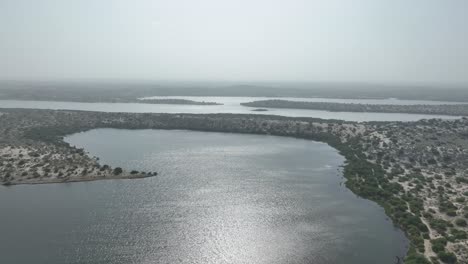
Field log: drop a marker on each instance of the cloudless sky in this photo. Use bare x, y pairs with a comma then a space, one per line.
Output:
401, 41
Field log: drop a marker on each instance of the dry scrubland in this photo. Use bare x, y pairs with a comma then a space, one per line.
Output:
417, 171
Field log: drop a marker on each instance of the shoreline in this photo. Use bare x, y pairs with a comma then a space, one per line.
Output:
88, 90
373, 168
83, 179
340, 182
442, 109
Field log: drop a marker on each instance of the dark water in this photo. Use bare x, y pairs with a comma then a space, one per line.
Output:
219, 198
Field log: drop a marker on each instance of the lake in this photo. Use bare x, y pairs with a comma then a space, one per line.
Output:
232, 105
218, 198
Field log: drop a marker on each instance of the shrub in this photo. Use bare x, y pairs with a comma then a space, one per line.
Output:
447, 257
461, 179
451, 212
415, 258
439, 225
438, 245
117, 171
458, 234
460, 222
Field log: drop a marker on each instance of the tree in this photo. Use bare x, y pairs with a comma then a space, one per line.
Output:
117, 171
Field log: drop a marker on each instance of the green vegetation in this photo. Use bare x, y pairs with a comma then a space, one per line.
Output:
368, 181
117, 171
440, 225
457, 234
438, 245
445, 206
455, 109
447, 257
461, 180
415, 258
378, 157
460, 222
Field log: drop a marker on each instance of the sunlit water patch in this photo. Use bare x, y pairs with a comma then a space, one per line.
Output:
218, 198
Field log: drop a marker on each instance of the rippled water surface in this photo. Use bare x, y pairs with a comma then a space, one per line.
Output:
219, 198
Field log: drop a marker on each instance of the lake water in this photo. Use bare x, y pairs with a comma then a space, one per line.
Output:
218, 198
232, 105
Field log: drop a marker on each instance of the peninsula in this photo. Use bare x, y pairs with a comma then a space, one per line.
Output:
175, 101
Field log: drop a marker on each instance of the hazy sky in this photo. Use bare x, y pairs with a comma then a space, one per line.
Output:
329, 40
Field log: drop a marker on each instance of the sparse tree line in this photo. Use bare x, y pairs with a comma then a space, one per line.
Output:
445, 109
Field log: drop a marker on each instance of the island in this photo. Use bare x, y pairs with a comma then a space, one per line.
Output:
443, 109
416, 171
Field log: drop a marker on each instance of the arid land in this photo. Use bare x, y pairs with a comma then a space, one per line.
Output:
417, 171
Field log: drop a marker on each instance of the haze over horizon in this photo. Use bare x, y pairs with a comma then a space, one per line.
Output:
366, 41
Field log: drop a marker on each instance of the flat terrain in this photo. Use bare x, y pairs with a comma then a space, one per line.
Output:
125, 92
416, 171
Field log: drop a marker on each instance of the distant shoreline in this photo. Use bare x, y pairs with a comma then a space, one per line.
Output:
175, 101
126, 92
444, 109
121, 101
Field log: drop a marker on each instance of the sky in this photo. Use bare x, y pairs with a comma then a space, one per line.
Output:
398, 41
